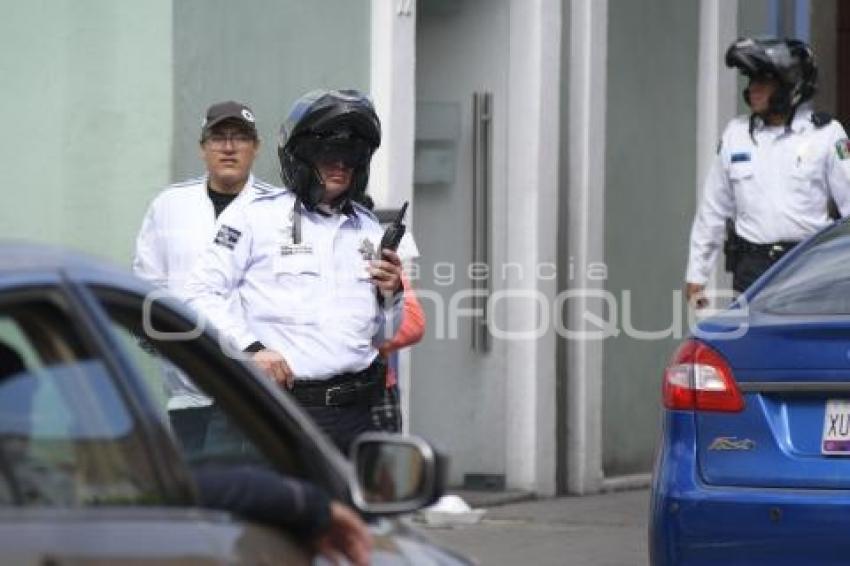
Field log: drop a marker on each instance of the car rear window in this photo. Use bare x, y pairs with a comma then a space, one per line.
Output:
815, 282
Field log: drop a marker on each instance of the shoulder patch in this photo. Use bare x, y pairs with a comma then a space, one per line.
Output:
227, 237
261, 189
842, 148
364, 211
188, 182
821, 119
264, 185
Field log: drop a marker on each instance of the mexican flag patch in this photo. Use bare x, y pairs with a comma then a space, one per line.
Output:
842, 148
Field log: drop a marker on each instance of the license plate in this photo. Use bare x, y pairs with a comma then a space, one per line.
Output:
836, 427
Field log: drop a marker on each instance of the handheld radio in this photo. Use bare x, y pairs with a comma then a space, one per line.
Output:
395, 231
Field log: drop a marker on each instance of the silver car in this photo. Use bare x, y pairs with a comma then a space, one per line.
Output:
91, 470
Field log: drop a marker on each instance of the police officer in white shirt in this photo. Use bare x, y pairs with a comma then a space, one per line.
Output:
176, 229
304, 262
777, 171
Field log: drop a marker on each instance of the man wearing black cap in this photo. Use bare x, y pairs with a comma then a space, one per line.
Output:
178, 226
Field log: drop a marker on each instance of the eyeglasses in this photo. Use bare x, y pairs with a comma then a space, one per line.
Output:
237, 139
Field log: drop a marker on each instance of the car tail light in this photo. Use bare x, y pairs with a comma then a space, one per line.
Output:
698, 378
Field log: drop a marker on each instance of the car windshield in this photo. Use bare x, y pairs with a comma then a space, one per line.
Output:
816, 282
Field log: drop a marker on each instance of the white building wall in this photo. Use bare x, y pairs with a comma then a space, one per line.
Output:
586, 217
393, 68
532, 223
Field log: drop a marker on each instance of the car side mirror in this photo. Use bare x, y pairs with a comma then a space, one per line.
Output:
395, 474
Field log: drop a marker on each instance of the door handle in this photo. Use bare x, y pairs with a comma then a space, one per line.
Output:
482, 134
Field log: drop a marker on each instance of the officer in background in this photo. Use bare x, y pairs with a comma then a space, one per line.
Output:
176, 229
317, 295
776, 170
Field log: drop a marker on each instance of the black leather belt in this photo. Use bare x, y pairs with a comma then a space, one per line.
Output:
357, 388
772, 251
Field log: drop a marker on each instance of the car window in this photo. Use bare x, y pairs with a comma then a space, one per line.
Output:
67, 438
205, 433
210, 428
257, 428
817, 281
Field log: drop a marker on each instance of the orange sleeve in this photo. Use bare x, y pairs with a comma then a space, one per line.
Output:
412, 325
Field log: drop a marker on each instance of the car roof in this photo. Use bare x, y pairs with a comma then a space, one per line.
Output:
20, 258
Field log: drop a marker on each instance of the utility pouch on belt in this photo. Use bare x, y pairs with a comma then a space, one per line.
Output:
731, 247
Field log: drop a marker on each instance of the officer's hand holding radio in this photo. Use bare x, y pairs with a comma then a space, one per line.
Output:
386, 272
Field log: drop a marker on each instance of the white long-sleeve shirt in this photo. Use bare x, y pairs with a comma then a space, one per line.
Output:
775, 190
177, 227
313, 302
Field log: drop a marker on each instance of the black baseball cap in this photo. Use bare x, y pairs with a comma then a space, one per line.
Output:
229, 110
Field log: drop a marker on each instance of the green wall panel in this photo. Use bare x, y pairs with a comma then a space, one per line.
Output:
264, 53
86, 107
650, 202
102, 100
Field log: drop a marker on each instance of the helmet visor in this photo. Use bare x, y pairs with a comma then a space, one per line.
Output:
349, 150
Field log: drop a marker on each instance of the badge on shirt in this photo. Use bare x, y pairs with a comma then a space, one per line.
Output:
741, 157
367, 249
296, 249
802, 153
286, 232
227, 237
842, 148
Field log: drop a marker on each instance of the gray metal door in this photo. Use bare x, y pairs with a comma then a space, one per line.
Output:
457, 393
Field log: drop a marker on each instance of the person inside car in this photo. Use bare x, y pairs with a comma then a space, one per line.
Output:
332, 528
252, 492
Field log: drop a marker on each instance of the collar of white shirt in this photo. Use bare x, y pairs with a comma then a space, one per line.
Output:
802, 120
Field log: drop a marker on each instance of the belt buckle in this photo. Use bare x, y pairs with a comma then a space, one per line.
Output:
329, 392
775, 250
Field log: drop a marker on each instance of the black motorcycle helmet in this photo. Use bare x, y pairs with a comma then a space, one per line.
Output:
323, 125
789, 61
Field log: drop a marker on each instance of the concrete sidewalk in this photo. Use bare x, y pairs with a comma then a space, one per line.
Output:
595, 530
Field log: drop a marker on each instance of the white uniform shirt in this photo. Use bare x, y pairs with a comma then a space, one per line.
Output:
313, 302
177, 227
775, 190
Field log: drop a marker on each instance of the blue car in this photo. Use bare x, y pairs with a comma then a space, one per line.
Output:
753, 465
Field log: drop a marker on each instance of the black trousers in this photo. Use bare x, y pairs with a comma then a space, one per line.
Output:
343, 423
750, 266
